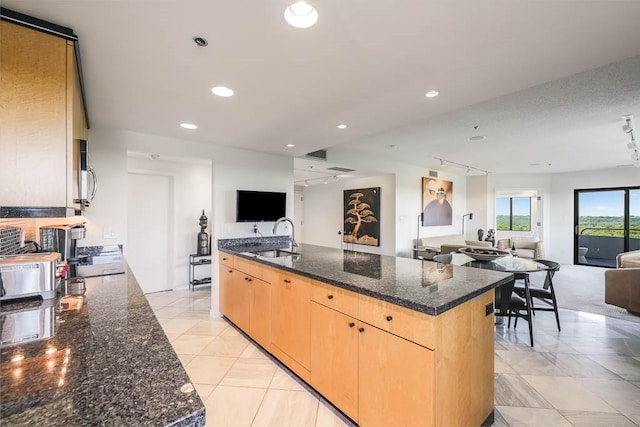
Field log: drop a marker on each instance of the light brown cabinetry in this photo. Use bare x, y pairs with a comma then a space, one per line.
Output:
246, 299
291, 320
42, 112
396, 380
235, 296
373, 376
379, 363
334, 359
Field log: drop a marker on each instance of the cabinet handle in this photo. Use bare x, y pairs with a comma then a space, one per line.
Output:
230, 271
224, 259
351, 325
249, 280
389, 318
287, 281
330, 296
361, 330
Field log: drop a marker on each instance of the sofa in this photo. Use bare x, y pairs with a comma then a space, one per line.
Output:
525, 246
446, 244
622, 285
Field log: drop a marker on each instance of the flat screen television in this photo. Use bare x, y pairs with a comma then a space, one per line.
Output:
257, 206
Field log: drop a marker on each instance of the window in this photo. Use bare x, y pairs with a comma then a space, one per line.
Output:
513, 213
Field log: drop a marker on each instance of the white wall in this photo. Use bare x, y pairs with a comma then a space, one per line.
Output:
477, 203
191, 194
324, 213
232, 169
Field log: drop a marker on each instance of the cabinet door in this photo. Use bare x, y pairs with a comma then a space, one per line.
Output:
33, 117
260, 312
291, 317
234, 297
334, 358
396, 380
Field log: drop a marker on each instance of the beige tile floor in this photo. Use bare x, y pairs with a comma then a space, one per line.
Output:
586, 375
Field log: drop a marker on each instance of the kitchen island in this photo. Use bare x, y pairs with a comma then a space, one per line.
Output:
387, 340
95, 355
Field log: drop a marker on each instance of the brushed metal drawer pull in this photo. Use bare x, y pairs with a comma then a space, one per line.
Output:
330, 296
389, 318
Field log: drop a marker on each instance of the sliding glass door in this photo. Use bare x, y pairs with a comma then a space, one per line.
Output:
634, 220
607, 222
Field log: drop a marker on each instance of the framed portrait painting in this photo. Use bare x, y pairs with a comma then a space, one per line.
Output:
437, 202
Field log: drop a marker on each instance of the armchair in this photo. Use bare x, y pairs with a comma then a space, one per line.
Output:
622, 285
526, 247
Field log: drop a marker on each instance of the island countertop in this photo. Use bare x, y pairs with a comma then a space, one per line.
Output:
101, 358
423, 286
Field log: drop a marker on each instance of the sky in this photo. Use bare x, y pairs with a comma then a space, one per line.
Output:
608, 203
521, 206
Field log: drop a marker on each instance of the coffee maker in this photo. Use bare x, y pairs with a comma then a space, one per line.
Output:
62, 239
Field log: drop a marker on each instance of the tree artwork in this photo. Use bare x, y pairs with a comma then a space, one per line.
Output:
361, 224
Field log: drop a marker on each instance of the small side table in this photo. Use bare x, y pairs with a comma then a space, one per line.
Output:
195, 261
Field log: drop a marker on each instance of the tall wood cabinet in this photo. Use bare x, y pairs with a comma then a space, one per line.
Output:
41, 114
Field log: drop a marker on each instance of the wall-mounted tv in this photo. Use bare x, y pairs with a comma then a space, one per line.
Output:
256, 206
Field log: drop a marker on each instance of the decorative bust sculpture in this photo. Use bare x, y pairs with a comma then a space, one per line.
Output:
480, 234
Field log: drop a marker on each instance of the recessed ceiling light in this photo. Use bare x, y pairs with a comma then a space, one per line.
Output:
188, 126
306, 183
291, 145
431, 94
200, 41
477, 138
222, 91
301, 15
342, 126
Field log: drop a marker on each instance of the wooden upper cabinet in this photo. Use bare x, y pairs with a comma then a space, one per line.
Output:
41, 111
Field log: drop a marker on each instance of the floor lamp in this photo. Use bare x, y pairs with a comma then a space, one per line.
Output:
470, 215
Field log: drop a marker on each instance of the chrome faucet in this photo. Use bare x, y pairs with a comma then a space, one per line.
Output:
283, 219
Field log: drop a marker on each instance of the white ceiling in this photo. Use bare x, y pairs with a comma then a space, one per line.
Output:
368, 64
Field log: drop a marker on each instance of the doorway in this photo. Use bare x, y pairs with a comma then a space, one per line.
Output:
149, 230
607, 222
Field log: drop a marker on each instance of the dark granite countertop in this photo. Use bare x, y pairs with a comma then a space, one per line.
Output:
95, 356
424, 286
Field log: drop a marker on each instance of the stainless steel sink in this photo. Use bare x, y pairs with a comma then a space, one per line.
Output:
276, 253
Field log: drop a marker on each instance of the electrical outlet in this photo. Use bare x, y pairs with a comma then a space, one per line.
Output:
109, 233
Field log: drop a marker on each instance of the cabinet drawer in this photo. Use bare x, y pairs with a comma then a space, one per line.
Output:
336, 298
226, 259
253, 268
400, 321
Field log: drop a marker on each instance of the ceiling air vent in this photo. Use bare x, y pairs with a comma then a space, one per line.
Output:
320, 154
339, 169
433, 174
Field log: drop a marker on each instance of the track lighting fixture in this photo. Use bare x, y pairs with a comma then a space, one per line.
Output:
466, 167
629, 129
324, 179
